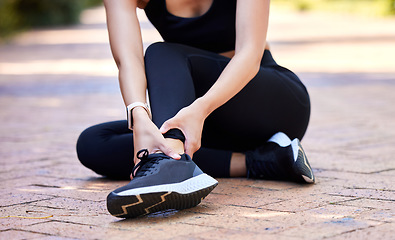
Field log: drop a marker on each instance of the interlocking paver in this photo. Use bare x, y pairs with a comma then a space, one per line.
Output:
19, 235
366, 193
51, 80
9, 198
231, 235
239, 223
329, 228
129, 231
386, 215
305, 203
383, 231
370, 203
80, 194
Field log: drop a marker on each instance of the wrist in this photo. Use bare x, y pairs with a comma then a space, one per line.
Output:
203, 107
136, 110
140, 114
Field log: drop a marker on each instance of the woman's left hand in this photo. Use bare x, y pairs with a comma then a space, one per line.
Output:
190, 121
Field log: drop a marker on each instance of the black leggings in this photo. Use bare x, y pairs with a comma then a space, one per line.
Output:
274, 100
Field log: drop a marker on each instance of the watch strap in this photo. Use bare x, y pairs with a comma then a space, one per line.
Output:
130, 108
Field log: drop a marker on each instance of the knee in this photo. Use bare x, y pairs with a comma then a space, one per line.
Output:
85, 147
91, 148
102, 147
156, 48
161, 50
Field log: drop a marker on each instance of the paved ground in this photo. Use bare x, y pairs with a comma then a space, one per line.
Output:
54, 83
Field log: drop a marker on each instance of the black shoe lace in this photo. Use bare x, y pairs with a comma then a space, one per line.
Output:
145, 158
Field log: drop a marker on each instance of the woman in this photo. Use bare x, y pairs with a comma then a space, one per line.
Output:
215, 93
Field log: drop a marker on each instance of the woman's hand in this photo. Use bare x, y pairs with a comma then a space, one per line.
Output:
190, 121
147, 136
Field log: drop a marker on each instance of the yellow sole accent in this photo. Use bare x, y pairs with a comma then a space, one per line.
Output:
124, 207
163, 200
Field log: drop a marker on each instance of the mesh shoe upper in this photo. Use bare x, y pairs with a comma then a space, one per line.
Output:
270, 161
159, 169
274, 162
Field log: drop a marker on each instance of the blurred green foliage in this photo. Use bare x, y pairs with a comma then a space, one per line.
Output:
16, 15
363, 7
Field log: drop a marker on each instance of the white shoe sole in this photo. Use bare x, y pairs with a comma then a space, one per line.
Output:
188, 186
141, 201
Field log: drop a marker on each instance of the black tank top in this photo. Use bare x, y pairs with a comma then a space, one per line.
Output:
214, 30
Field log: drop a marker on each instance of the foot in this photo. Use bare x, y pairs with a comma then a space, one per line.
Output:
280, 159
160, 183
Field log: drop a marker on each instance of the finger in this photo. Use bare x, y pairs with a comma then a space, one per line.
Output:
155, 150
165, 127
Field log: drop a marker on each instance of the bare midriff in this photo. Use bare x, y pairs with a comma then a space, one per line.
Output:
228, 54
172, 4
231, 53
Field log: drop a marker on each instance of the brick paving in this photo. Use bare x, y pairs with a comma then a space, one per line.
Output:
55, 83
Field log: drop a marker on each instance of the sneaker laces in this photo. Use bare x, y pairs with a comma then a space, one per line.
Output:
145, 158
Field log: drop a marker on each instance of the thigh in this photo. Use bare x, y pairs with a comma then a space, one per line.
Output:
176, 76
274, 100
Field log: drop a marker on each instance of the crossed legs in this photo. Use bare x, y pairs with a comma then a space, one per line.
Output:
275, 100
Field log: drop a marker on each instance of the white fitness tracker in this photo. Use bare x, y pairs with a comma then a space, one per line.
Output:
129, 110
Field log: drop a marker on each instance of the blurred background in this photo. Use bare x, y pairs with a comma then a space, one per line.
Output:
365, 7
55, 60
58, 77
17, 15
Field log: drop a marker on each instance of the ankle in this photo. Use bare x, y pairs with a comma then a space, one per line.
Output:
238, 167
176, 144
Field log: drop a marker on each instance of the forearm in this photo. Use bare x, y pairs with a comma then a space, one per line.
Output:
240, 70
132, 83
252, 18
127, 48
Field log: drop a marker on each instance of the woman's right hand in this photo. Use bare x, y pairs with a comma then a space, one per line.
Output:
146, 135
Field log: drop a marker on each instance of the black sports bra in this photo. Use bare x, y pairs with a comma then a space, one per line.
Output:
214, 30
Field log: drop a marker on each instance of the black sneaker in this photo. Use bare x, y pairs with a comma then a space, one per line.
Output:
160, 183
280, 159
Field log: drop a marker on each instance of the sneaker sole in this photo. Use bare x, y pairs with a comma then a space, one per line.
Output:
141, 201
302, 166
